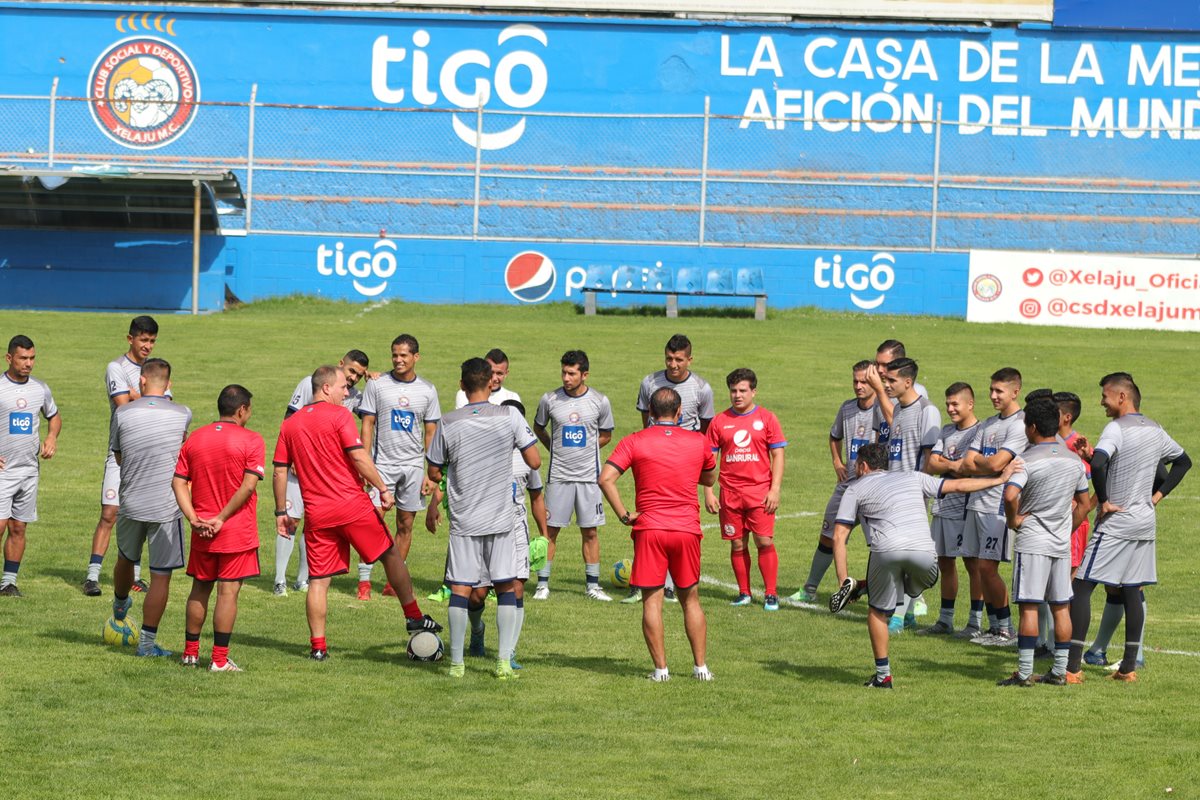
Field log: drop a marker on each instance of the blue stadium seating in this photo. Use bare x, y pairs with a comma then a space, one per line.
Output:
689, 280
750, 281
719, 281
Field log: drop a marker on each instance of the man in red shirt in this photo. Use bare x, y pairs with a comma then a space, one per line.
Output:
218, 470
751, 444
667, 462
321, 444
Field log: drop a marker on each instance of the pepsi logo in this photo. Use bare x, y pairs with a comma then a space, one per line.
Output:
742, 438
530, 277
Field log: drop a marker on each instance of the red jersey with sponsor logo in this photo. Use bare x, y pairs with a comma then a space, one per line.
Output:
215, 459
745, 442
666, 461
316, 442
1072, 443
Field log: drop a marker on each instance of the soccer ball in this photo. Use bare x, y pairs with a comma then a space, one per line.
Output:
119, 633
425, 646
621, 572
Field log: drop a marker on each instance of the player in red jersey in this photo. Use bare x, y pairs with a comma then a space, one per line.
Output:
667, 462
321, 444
750, 442
216, 476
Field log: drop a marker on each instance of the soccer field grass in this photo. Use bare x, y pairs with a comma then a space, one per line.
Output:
787, 715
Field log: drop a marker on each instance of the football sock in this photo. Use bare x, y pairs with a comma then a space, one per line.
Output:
283, 553
1114, 612
821, 560
670, 584
1004, 618
412, 610
147, 637
1043, 636
191, 644
1061, 651
520, 622
93, 570
302, 575
120, 607
1025, 645
946, 617
768, 565
220, 651
883, 668
740, 559
137, 571
317, 643
458, 627
902, 609
1135, 621
475, 615
364, 571
993, 623
506, 624
976, 618
1081, 617
10, 572
592, 573
1142, 644
544, 573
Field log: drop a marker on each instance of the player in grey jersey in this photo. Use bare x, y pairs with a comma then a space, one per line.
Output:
1043, 503
890, 506
887, 352
1121, 552
354, 364
24, 400
121, 386
857, 422
399, 413
145, 436
574, 422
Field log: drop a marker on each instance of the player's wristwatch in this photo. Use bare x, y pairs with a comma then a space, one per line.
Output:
281, 513
625, 518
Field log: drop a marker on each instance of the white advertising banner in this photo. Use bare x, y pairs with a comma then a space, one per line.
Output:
1084, 291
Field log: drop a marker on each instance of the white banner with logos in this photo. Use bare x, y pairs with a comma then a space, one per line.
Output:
1084, 291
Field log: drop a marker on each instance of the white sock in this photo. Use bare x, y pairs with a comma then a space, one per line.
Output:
137, 572
283, 554
93, 571
364, 571
302, 576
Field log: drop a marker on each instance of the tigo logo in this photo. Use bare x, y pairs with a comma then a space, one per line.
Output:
378, 263
20, 423
530, 277
861, 279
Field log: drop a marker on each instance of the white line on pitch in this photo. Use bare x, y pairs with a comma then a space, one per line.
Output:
709, 526
711, 581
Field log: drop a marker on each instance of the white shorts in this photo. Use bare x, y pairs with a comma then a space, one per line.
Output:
405, 483
1119, 562
109, 490
892, 574
481, 560
584, 499
18, 497
985, 536
1041, 579
295, 504
948, 536
165, 540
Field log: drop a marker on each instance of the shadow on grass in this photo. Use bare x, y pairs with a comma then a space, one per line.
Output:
613, 666
89, 637
288, 647
988, 665
818, 672
74, 578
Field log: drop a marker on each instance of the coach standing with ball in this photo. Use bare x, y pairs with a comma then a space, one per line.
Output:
667, 462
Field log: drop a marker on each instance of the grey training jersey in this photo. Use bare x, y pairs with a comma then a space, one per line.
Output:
952, 445
915, 426
497, 398
474, 445
855, 426
997, 433
148, 433
121, 377
891, 508
401, 411
1053, 476
303, 396
23, 405
574, 424
695, 396
1135, 444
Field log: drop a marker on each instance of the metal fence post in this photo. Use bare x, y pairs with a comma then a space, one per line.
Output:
250, 158
704, 170
53, 118
478, 166
937, 168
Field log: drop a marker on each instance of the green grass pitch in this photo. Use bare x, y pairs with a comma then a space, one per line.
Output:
787, 715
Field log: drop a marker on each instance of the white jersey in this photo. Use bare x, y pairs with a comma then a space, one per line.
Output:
1134, 444
24, 404
695, 396
303, 396
401, 409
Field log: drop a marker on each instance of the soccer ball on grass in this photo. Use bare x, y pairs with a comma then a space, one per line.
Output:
119, 633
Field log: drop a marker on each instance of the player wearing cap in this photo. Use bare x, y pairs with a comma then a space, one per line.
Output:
1121, 554
751, 445
23, 401
859, 421
949, 513
399, 413
145, 437
667, 465
121, 384
890, 505
215, 484
354, 364
473, 449
580, 424
320, 443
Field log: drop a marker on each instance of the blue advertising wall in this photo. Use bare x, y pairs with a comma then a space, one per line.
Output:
868, 192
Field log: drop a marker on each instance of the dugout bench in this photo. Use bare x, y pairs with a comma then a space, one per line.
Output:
746, 282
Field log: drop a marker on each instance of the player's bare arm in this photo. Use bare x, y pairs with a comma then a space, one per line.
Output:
1080, 509
608, 487
884, 402
839, 466
604, 438
711, 504
938, 464
183, 496
240, 497
771, 502
285, 526
841, 534
542, 434
366, 470
537, 506
368, 430
533, 459
433, 514
1012, 515
427, 486
50, 443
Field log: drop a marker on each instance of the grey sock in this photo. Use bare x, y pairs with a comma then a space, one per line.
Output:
458, 628
1025, 662
283, 553
1114, 612
821, 562
1061, 651
475, 614
506, 624
544, 572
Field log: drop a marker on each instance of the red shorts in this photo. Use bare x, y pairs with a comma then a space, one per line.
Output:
1079, 538
209, 567
655, 552
329, 548
736, 522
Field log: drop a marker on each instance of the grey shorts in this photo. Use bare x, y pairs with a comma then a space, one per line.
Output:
948, 536
164, 540
1041, 579
831, 509
892, 574
295, 504
584, 499
405, 483
481, 560
18, 497
110, 489
985, 536
1119, 562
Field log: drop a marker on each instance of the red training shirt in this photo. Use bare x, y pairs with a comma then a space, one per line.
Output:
316, 442
215, 459
745, 442
666, 461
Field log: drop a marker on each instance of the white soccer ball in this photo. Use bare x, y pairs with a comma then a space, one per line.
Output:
425, 646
